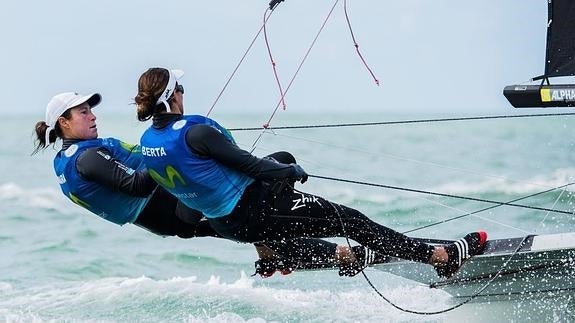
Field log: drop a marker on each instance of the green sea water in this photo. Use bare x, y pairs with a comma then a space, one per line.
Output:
60, 263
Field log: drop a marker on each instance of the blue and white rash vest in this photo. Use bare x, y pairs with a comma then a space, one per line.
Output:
200, 182
116, 207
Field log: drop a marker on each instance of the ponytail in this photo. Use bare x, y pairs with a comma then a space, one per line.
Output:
150, 86
44, 136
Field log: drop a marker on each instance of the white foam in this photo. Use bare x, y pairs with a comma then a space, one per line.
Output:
43, 198
216, 301
5, 286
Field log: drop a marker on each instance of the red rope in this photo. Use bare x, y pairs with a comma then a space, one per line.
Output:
355, 43
238, 65
273, 62
267, 124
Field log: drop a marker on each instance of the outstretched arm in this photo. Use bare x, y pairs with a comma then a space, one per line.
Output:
206, 141
98, 165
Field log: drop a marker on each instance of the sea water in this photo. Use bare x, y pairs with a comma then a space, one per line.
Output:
59, 263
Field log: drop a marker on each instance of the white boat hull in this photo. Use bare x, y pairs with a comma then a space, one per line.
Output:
543, 266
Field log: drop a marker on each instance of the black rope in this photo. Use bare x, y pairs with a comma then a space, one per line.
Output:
339, 125
485, 209
440, 194
476, 294
406, 310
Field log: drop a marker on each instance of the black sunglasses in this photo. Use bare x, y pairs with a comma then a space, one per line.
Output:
179, 88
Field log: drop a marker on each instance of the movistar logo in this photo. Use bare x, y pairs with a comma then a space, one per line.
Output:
229, 133
76, 200
130, 147
168, 181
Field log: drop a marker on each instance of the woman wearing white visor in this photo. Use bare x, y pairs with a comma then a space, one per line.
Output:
198, 161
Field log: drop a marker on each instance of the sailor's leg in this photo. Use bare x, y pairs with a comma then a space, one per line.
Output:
453, 255
303, 253
305, 250
307, 253
164, 215
446, 259
381, 238
295, 214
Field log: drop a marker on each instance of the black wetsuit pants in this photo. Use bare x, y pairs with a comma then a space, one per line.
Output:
264, 215
164, 215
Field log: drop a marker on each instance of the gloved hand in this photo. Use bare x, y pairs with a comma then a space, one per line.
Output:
267, 267
299, 174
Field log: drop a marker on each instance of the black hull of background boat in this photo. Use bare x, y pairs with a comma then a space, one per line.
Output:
540, 96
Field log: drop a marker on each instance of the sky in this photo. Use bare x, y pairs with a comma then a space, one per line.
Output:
431, 56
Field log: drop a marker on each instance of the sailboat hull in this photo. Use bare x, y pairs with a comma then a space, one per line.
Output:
543, 265
537, 96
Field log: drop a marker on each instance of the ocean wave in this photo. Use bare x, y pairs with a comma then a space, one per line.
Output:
535, 184
5, 286
186, 258
42, 198
186, 299
351, 195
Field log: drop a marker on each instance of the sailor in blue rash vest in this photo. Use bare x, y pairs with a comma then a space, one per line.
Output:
107, 177
198, 161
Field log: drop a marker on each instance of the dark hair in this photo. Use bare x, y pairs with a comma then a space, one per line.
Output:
55, 133
150, 86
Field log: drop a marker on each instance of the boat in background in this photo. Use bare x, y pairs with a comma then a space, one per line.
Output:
559, 61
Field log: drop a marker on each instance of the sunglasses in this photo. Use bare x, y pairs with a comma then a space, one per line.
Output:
179, 88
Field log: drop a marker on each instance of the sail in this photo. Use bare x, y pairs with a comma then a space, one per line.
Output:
560, 56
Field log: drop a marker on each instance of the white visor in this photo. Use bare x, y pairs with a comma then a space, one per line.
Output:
175, 75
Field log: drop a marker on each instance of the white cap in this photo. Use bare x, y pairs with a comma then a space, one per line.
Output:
175, 75
64, 101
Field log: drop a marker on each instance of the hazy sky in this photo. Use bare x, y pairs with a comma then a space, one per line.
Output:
430, 55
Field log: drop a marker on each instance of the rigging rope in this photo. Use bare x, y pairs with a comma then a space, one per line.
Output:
356, 45
273, 62
380, 123
399, 157
451, 308
266, 125
472, 297
242, 59
476, 294
554, 203
272, 6
439, 194
487, 208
